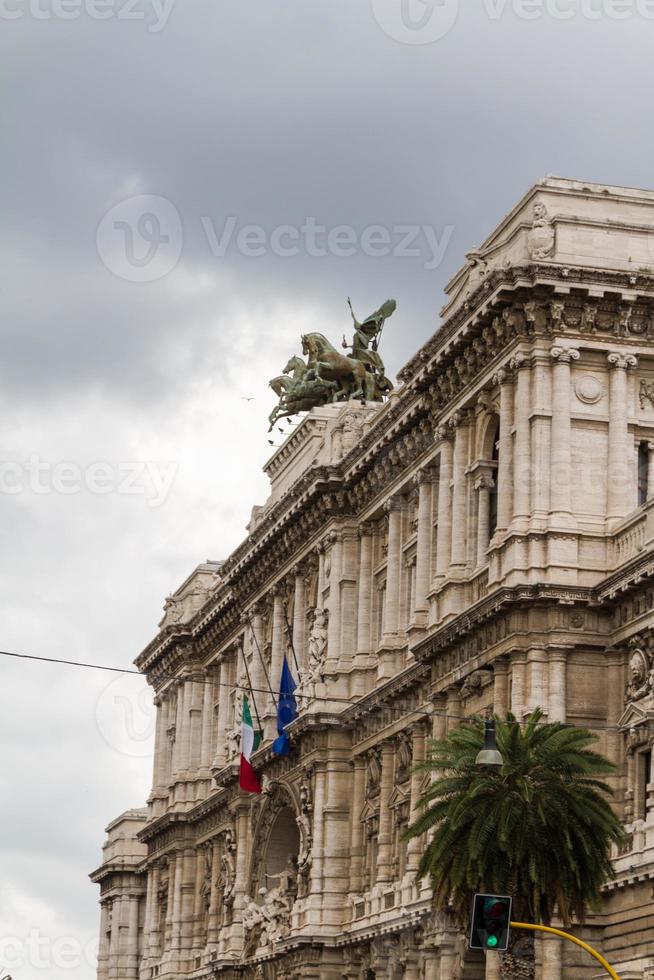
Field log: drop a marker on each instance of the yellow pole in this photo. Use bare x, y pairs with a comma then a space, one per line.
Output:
573, 939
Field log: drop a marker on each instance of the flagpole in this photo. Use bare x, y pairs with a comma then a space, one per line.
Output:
256, 643
290, 641
254, 702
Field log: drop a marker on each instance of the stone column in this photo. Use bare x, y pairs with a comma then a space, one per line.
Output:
177, 721
103, 947
541, 436
556, 708
483, 486
364, 608
552, 957
356, 830
334, 621
257, 672
620, 463
196, 699
278, 649
300, 617
241, 816
454, 713
208, 747
159, 746
224, 723
213, 924
384, 855
504, 379
444, 542
154, 939
423, 546
395, 507
414, 847
538, 680
459, 492
198, 898
187, 899
522, 448
561, 452
316, 887
176, 918
501, 687
132, 960
518, 683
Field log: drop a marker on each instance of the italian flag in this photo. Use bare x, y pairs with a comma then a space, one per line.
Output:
247, 777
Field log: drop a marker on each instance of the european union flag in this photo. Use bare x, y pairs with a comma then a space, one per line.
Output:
286, 710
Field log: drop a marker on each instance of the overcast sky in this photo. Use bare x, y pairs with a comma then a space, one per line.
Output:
139, 310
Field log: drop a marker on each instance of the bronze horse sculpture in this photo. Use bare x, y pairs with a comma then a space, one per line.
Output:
328, 364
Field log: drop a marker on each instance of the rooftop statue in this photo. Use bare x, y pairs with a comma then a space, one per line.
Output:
329, 376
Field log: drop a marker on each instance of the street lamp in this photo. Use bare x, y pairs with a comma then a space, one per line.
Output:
490, 754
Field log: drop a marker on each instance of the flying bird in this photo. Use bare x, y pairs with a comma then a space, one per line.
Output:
244, 398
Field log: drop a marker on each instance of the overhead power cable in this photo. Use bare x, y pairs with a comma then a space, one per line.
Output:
260, 690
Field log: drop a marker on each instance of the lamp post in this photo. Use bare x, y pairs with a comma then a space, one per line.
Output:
490, 755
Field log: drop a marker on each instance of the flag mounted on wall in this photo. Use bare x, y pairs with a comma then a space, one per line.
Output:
286, 710
250, 740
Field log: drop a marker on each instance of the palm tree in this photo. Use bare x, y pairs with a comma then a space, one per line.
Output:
539, 828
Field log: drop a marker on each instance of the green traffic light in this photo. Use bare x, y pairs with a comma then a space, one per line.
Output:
492, 941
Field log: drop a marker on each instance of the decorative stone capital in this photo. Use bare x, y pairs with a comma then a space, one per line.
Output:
424, 475
564, 355
484, 482
444, 432
395, 504
622, 362
519, 361
503, 377
366, 530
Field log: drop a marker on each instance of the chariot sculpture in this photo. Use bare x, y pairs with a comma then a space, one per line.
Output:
328, 375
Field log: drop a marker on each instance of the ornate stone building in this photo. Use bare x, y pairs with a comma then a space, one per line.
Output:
483, 540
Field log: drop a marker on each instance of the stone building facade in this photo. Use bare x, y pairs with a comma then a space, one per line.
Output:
483, 540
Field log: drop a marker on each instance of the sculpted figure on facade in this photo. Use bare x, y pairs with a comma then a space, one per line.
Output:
641, 676
541, 238
317, 651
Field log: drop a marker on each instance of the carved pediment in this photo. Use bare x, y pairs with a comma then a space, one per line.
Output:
636, 715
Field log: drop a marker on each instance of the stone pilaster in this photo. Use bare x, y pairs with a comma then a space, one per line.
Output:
364, 598
423, 546
103, 947
414, 847
444, 540
501, 687
384, 856
154, 937
460, 493
483, 486
299, 616
650, 470
395, 509
356, 825
276, 658
557, 665
522, 447
541, 432
561, 446
207, 749
518, 683
335, 622
620, 451
213, 924
504, 379
538, 679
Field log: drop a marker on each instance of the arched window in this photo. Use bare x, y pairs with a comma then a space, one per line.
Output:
643, 473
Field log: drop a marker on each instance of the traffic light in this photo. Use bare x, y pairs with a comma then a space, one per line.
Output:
489, 928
